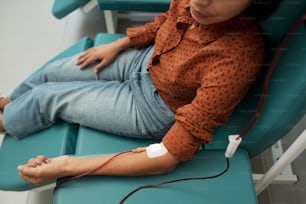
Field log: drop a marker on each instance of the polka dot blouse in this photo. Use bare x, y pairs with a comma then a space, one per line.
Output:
202, 72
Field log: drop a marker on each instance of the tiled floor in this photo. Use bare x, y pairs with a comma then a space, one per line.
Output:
281, 193
30, 36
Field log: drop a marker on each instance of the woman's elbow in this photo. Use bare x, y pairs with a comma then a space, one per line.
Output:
169, 168
168, 163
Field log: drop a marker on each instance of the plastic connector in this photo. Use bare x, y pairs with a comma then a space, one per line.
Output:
234, 141
139, 150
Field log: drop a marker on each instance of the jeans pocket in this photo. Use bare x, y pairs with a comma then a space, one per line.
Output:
162, 105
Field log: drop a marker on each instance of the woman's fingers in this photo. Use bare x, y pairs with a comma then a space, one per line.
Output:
33, 163
100, 66
105, 54
29, 178
34, 177
87, 62
87, 59
83, 57
88, 51
100, 55
50, 169
37, 161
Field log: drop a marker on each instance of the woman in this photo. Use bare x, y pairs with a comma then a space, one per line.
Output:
190, 68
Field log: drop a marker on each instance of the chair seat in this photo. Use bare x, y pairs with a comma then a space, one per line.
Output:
58, 140
104, 38
108, 189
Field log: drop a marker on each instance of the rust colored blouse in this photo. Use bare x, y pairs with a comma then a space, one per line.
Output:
202, 72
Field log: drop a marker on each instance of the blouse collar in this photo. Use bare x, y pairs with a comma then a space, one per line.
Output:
216, 30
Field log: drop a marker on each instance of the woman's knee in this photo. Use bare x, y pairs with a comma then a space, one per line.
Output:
58, 70
52, 71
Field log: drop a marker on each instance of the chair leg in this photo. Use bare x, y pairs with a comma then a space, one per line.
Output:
89, 6
110, 21
295, 149
110, 16
42, 194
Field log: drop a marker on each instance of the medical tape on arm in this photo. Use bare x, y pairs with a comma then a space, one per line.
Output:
156, 150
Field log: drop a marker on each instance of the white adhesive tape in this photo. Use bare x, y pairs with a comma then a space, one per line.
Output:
156, 150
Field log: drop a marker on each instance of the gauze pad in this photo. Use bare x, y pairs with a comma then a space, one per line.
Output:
156, 150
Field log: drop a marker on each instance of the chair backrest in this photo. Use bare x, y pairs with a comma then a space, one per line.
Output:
286, 101
279, 23
134, 5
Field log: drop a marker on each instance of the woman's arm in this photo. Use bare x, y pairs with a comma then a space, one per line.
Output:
41, 169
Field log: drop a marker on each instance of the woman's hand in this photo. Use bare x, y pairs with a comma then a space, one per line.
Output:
41, 169
104, 53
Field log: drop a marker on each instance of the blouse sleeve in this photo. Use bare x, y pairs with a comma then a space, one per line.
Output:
221, 89
143, 36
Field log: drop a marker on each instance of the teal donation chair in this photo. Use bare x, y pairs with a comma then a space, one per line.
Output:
284, 107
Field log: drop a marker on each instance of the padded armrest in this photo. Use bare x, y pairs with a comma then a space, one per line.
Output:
55, 141
134, 5
61, 8
108, 189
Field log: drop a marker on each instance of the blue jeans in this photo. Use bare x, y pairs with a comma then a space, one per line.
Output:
121, 99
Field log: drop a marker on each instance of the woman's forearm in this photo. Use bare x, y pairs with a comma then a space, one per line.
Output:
127, 164
42, 169
123, 43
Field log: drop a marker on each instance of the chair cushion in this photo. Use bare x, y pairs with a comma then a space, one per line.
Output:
279, 23
104, 38
109, 189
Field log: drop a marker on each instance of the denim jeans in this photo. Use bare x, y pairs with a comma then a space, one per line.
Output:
121, 99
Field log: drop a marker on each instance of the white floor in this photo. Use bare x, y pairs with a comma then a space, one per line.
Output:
29, 37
